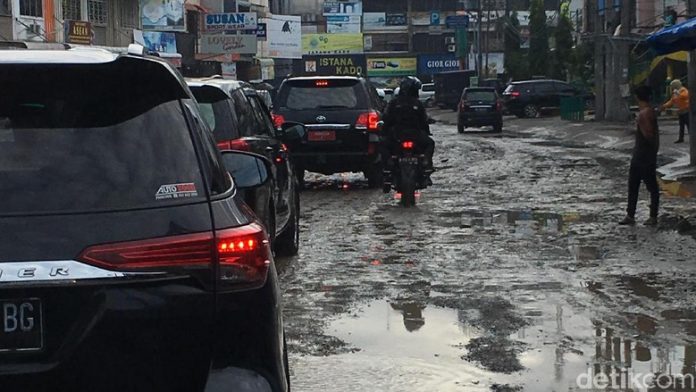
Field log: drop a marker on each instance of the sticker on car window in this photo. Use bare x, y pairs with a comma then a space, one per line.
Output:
176, 191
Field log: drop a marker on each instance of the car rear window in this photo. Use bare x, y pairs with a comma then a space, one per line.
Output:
216, 110
94, 137
322, 94
428, 87
480, 95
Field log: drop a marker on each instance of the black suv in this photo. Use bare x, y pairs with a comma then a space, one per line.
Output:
127, 262
241, 121
531, 98
478, 107
342, 116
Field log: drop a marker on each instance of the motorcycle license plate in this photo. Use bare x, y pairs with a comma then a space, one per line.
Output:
21, 328
321, 136
413, 160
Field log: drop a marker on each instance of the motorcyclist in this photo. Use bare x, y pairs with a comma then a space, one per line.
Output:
406, 113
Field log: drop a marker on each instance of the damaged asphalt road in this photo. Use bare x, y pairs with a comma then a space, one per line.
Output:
510, 275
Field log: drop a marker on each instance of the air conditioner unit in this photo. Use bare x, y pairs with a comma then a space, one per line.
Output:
451, 48
449, 40
35, 29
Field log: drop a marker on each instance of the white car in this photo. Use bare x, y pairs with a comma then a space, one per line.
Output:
427, 94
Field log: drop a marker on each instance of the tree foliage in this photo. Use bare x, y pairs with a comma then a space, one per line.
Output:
563, 54
538, 39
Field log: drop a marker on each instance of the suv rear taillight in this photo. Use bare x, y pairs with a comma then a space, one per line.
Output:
368, 120
499, 106
514, 94
237, 145
463, 105
278, 120
243, 255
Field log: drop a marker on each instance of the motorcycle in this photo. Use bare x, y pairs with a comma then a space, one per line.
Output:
408, 174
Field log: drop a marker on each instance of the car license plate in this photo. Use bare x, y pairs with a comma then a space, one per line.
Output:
21, 328
481, 109
321, 136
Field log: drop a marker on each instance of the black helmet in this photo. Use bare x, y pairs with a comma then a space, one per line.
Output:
409, 87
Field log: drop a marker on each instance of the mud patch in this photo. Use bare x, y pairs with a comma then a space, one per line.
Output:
495, 353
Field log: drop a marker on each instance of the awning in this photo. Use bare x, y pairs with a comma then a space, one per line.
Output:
674, 39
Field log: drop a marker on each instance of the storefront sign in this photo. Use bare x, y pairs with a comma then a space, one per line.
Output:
332, 43
392, 66
373, 21
221, 43
78, 32
156, 41
343, 8
348, 65
430, 64
342, 24
261, 32
284, 37
231, 21
163, 15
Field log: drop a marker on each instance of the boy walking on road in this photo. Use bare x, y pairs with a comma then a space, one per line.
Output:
644, 159
680, 99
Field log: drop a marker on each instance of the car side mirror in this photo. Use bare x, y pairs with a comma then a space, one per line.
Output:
291, 131
248, 170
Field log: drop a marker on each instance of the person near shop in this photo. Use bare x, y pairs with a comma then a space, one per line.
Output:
680, 100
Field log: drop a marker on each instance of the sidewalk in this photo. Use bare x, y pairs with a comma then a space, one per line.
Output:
673, 158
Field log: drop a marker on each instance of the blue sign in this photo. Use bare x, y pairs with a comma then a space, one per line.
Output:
261, 31
435, 18
430, 64
459, 21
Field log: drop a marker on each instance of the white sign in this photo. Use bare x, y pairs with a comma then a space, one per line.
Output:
343, 8
342, 24
221, 43
229, 70
231, 21
284, 37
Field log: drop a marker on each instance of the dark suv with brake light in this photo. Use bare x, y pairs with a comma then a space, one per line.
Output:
480, 106
342, 116
127, 262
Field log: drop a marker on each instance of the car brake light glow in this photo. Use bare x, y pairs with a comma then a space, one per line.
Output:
368, 120
278, 120
237, 144
407, 145
243, 254
321, 83
515, 93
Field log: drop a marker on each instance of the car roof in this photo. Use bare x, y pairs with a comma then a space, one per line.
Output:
225, 85
480, 89
537, 81
70, 56
325, 77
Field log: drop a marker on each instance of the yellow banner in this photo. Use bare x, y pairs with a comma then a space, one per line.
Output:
392, 66
317, 44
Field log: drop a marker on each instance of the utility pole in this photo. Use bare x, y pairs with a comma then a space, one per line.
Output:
600, 69
692, 88
488, 29
479, 62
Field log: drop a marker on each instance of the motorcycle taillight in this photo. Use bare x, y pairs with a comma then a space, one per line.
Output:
407, 145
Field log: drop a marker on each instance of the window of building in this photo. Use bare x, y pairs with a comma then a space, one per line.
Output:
98, 12
128, 13
5, 7
435, 5
385, 6
31, 8
72, 10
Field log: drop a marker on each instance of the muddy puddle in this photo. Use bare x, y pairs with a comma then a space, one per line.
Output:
398, 346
